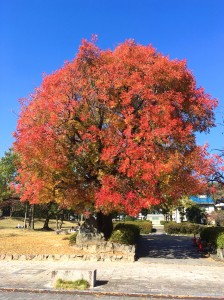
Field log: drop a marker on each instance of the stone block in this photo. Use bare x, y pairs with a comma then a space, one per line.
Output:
64, 257
8, 257
57, 257
22, 257
220, 253
92, 248
75, 274
51, 257
88, 237
29, 256
79, 255
109, 247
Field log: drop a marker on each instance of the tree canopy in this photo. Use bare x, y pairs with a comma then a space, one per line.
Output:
114, 130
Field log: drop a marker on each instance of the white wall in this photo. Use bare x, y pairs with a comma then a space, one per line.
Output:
155, 218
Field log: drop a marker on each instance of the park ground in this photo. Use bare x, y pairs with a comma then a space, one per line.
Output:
185, 277
19, 241
167, 266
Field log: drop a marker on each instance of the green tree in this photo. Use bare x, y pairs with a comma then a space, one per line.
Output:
195, 214
8, 172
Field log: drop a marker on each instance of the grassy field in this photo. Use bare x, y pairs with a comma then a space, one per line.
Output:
23, 241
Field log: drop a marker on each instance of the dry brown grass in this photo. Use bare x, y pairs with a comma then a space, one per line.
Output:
24, 241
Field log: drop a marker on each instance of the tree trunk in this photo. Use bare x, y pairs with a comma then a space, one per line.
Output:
57, 221
11, 211
81, 218
31, 217
47, 219
104, 224
61, 219
46, 223
25, 216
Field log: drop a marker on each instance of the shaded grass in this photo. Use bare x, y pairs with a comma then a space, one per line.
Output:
11, 223
79, 284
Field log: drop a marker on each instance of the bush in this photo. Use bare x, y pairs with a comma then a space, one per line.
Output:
124, 233
182, 228
190, 228
144, 226
172, 227
211, 234
220, 240
72, 238
163, 222
129, 218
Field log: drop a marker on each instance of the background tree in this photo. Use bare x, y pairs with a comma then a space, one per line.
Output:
218, 217
114, 131
8, 172
195, 214
9, 200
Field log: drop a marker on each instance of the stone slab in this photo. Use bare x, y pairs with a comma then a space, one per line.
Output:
75, 274
220, 253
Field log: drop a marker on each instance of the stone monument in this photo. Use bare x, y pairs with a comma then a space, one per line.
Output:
88, 232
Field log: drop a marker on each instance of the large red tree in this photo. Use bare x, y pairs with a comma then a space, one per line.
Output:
114, 130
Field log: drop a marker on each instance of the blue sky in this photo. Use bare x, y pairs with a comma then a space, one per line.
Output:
38, 36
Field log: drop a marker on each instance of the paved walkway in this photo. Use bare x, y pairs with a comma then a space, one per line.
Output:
47, 296
168, 265
168, 247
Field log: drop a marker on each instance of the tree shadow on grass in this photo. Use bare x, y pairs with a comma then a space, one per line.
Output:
167, 246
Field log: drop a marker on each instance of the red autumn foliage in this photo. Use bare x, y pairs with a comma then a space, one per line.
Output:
114, 130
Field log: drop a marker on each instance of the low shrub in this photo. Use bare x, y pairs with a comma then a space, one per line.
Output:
72, 238
129, 218
163, 222
124, 233
190, 228
220, 240
182, 228
211, 234
144, 225
172, 227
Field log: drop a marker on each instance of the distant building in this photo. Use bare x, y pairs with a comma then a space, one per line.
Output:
155, 218
203, 201
219, 204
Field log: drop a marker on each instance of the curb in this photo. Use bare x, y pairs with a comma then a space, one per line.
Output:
115, 294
